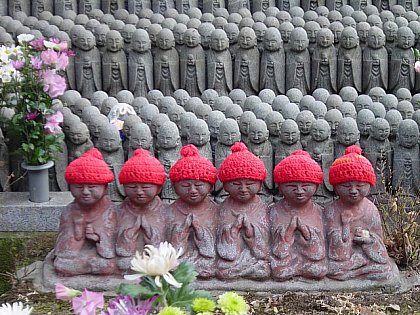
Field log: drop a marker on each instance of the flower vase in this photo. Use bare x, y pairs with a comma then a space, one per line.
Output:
38, 181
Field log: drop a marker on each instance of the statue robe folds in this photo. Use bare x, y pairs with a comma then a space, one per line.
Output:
375, 68
183, 6
262, 5
311, 5
298, 71
114, 72
247, 70
135, 6
86, 6
39, 6
295, 254
324, 69
193, 70
60, 6
137, 228
140, 73
349, 259
74, 253
195, 232
285, 5
166, 71
88, 72
401, 69
349, 68
219, 71
272, 71
209, 6
243, 248
110, 6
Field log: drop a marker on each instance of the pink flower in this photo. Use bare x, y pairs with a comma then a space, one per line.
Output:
69, 52
49, 56
417, 66
64, 293
53, 122
36, 63
87, 303
54, 84
32, 115
62, 61
18, 64
38, 44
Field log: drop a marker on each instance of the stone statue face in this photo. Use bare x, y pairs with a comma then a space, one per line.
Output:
114, 41
192, 38
86, 41
274, 128
390, 30
298, 40
242, 190
408, 135
168, 138
87, 194
232, 34
109, 141
247, 38
165, 40
179, 36
363, 34
219, 41
348, 135
405, 38
289, 134
141, 194
272, 40
141, 42
199, 135
376, 38
192, 192
364, 123
229, 134
324, 38
352, 193
100, 36
140, 140
304, 123
349, 39
380, 130
320, 131
78, 134
258, 132
298, 193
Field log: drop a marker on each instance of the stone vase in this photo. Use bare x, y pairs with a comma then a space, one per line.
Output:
38, 183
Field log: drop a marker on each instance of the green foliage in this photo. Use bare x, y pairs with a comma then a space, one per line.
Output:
9, 249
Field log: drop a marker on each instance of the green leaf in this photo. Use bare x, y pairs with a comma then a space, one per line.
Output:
136, 290
185, 273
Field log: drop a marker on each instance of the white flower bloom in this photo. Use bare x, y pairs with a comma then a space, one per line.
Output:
16, 308
51, 45
25, 38
156, 262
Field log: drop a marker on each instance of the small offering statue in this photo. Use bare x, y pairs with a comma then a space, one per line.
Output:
242, 239
353, 225
297, 231
141, 218
86, 242
192, 217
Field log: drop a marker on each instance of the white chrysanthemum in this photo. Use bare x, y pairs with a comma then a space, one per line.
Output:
25, 38
16, 308
156, 262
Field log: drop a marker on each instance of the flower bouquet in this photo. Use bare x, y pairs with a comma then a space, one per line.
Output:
162, 287
31, 75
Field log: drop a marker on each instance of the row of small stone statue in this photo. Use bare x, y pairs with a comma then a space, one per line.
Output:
240, 238
191, 67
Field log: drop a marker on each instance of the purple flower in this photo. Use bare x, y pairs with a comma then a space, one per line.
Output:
87, 303
36, 63
54, 84
64, 293
32, 115
38, 44
49, 57
62, 61
125, 305
53, 122
18, 64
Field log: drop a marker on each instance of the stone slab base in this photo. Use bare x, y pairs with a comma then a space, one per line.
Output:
47, 278
18, 214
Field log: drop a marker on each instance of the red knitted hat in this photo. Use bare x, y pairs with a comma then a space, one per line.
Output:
298, 167
142, 168
352, 166
90, 168
242, 164
192, 165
